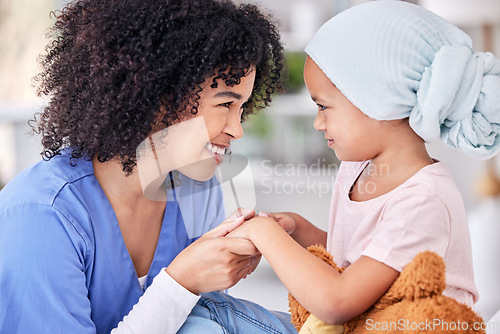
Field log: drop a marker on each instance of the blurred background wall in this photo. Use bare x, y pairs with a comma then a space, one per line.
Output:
292, 169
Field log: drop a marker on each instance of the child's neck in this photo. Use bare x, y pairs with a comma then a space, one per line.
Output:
389, 170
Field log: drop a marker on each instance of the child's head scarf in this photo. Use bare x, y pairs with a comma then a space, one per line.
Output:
394, 60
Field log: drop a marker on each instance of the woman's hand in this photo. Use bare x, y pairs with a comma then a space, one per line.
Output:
241, 212
214, 262
253, 265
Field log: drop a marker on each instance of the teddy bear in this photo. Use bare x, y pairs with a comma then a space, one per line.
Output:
413, 304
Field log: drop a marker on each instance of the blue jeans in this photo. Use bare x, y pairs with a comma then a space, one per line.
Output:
218, 312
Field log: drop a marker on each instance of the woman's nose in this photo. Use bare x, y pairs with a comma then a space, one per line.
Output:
234, 127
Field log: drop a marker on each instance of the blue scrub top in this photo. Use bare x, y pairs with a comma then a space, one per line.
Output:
64, 266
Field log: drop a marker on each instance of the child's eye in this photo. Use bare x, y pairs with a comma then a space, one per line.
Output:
321, 107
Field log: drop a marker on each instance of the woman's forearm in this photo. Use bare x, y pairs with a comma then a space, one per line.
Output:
162, 309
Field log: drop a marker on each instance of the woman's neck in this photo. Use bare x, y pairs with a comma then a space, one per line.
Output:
139, 218
122, 190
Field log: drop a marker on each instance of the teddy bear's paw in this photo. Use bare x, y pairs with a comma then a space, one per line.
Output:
298, 312
313, 325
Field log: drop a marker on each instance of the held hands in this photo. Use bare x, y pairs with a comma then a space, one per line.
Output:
224, 255
214, 262
286, 220
242, 214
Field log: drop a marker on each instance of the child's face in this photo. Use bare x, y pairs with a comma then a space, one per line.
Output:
350, 133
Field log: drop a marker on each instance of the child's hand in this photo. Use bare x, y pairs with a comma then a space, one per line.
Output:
242, 230
285, 219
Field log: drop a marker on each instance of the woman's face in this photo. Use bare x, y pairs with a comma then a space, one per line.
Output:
197, 144
221, 109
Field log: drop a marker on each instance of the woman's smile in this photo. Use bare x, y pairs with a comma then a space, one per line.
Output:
218, 151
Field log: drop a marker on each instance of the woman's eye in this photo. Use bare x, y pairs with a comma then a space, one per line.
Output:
225, 104
321, 107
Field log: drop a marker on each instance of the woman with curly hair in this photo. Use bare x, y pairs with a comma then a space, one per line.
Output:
82, 249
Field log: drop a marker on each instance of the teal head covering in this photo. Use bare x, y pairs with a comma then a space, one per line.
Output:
395, 60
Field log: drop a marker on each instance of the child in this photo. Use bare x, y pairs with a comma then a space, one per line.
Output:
387, 77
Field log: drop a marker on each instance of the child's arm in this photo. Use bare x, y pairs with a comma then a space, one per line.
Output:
299, 228
334, 298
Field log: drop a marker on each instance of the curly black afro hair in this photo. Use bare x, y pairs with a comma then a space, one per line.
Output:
112, 65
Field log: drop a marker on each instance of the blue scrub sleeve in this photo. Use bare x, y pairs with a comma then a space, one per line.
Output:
44, 254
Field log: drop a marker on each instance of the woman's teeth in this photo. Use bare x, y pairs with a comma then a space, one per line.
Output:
216, 149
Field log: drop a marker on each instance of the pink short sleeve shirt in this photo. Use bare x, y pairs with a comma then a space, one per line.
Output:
424, 213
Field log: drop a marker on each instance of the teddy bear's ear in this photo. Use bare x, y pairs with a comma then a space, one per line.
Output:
423, 277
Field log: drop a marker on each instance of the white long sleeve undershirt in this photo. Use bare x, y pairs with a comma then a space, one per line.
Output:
162, 309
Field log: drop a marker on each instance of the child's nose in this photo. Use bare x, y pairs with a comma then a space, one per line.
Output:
319, 124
